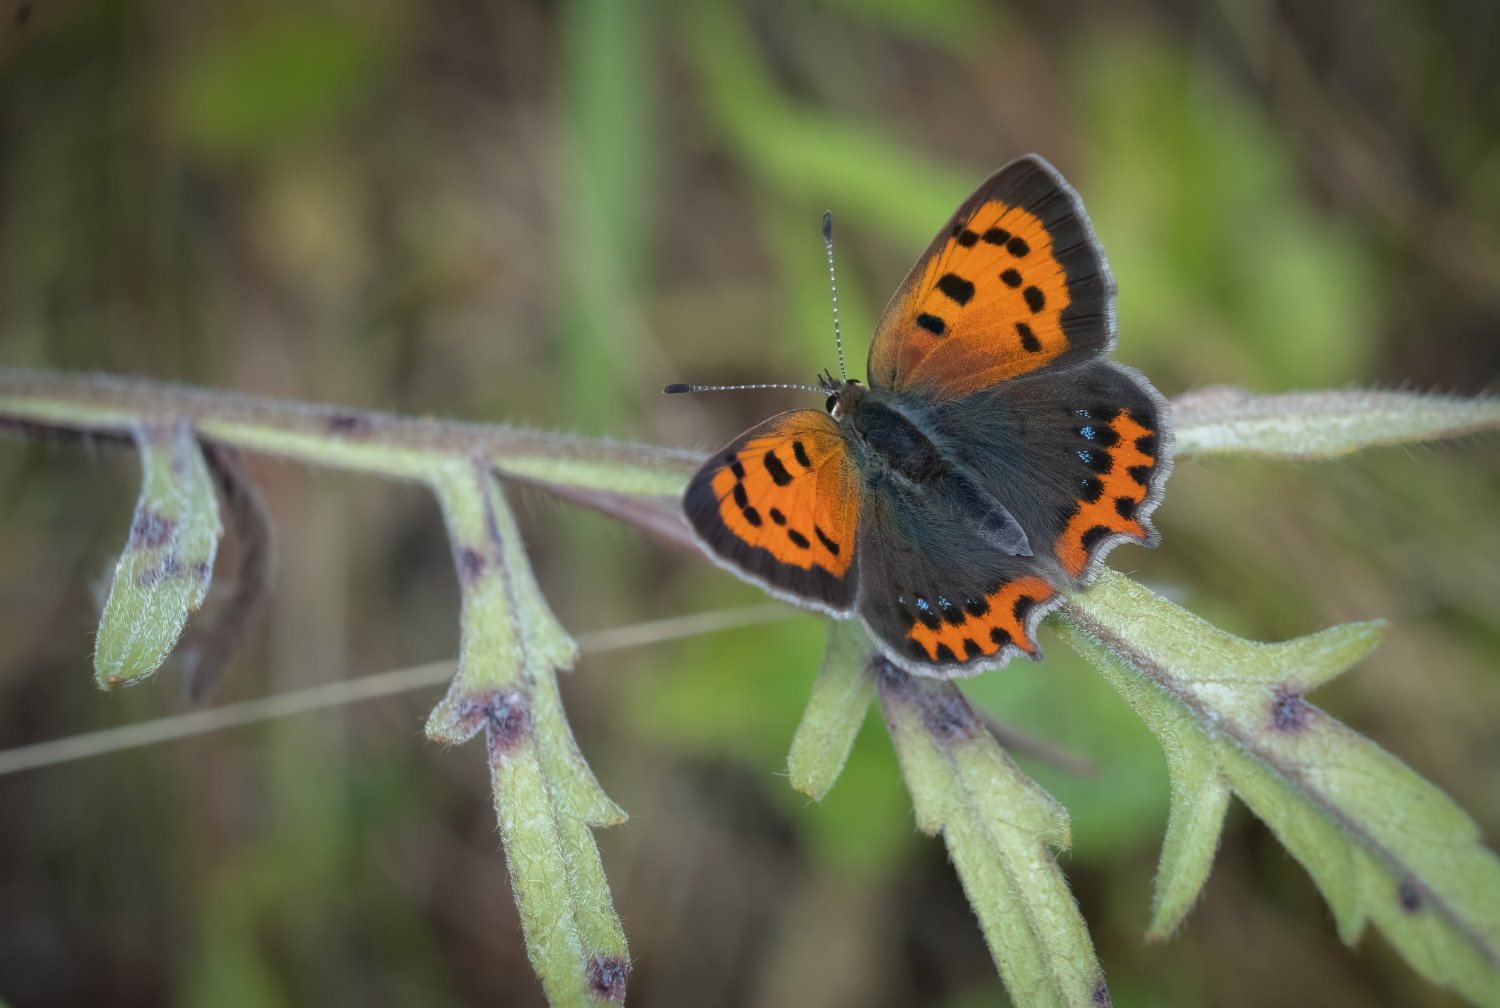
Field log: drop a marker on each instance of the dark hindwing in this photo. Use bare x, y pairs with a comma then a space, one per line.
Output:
780, 506
937, 598
1080, 458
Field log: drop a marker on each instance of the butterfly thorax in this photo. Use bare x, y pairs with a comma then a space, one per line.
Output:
883, 438
887, 439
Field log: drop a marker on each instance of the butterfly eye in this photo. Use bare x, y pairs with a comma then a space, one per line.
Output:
833, 404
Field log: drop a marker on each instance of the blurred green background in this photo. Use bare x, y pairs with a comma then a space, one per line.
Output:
543, 212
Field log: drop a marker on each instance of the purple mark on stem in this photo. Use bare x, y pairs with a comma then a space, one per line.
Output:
348, 423
1290, 712
507, 723
945, 713
606, 976
1410, 895
470, 564
151, 530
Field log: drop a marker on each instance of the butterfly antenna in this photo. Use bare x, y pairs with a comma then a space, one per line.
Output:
838, 338
679, 387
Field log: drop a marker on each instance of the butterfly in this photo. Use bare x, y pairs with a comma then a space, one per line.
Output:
993, 460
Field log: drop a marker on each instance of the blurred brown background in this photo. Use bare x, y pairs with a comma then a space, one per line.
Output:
543, 212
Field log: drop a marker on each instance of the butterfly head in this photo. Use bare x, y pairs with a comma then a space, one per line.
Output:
843, 394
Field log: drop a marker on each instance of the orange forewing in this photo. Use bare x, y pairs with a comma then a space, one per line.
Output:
782, 504
1015, 282
998, 300
778, 499
1113, 511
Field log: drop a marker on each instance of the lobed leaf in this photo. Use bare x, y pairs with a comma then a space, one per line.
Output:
1312, 425
1380, 842
546, 798
164, 572
999, 826
841, 695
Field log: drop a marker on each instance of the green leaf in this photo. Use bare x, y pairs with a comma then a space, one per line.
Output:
999, 826
546, 798
1381, 843
168, 561
840, 697
1312, 425
508, 634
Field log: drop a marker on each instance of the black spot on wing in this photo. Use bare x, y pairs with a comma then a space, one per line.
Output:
956, 288
705, 508
1096, 459
778, 472
932, 323
1104, 437
1093, 536
799, 450
950, 612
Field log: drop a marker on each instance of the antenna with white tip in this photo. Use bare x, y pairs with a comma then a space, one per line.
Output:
838, 338
678, 387
826, 384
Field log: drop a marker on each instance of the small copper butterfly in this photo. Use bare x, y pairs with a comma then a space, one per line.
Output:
994, 459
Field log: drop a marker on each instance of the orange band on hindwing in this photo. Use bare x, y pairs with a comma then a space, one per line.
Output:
946, 630
1122, 453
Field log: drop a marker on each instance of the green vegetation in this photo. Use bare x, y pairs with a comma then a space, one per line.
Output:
539, 215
